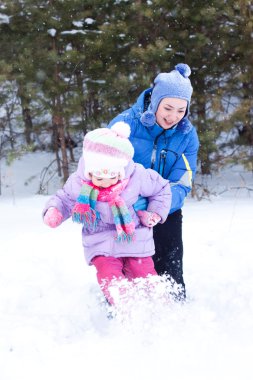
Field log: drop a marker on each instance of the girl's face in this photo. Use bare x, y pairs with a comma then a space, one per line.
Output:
104, 182
170, 111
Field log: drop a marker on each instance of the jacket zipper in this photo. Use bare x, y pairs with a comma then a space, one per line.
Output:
154, 151
162, 159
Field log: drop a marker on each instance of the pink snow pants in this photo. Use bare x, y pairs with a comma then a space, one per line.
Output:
110, 268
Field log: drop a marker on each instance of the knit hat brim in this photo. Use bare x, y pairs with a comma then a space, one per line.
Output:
103, 166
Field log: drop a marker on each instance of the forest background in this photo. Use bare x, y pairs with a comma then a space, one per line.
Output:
71, 66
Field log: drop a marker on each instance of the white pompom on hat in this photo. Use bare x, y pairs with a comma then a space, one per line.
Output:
107, 152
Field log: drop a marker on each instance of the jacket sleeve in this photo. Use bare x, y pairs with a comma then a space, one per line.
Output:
65, 198
183, 173
156, 189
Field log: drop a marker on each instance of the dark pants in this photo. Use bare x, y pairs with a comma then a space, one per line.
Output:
168, 256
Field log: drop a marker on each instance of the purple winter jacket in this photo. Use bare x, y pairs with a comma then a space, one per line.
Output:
145, 182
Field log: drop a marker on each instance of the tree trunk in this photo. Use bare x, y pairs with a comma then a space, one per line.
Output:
55, 145
12, 137
28, 124
205, 163
82, 102
70, 147
61, 141
26, 113
58, 123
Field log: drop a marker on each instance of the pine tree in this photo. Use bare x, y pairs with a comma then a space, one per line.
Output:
77, 64
240, 86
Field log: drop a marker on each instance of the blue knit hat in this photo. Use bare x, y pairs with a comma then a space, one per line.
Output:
174, 84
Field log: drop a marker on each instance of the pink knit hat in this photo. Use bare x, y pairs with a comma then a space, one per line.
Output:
107, 152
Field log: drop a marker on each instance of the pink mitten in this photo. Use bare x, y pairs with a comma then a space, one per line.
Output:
53, 217
148, 219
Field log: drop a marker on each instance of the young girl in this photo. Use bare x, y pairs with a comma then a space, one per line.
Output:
100, 195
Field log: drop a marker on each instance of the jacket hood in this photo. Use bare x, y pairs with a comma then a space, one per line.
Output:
129, 169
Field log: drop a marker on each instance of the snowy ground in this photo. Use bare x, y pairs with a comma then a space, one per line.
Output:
51, 324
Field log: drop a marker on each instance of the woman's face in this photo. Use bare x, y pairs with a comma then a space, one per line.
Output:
170, 111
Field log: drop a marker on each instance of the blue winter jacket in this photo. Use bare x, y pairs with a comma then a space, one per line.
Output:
172, 152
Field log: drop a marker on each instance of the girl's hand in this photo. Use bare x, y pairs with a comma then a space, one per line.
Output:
53, 217
148, 219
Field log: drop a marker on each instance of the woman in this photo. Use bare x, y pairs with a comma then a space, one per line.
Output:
166, 141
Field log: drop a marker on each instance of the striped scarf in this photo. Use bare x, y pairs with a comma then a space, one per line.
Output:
84, 210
